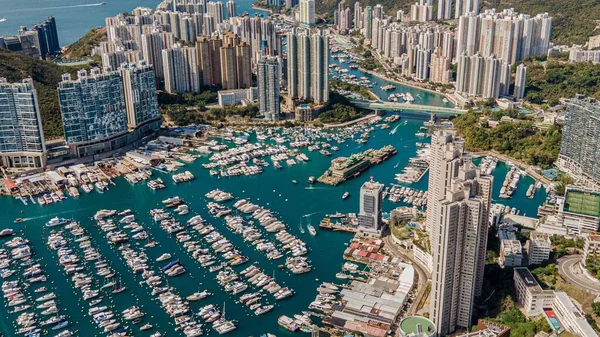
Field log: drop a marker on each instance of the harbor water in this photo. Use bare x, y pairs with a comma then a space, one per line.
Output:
74, 18
296, 205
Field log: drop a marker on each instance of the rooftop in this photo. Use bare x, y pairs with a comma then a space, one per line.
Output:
582, 202
411, 324
528, 278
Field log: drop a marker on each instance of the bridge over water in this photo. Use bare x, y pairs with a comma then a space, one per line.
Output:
426, 109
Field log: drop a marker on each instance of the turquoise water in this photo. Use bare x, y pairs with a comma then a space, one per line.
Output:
273, 189
421, 97
74, 18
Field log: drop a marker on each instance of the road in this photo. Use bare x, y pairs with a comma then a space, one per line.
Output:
422, 275
568, 267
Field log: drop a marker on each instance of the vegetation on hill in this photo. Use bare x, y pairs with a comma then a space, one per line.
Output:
550, 81
83, 47
192, 108
573, 21
46, 76
339, 110
520, 139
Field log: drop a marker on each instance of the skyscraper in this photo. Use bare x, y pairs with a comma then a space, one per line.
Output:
152, 46
209, 60
457, 220
369, 216
21, 135
181, 69
93, 110
444, 10
216, 10
367, 25
47, 37
268, 87
307, 13
579, 153
231, 8
139, 88
308, 64
520, 81
508, 35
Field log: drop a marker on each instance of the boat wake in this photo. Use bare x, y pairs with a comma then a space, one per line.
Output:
315, 188
311, 214
50, 215
56, 7
395, 129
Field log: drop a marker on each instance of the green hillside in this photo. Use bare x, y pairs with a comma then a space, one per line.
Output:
574, 20
46, 76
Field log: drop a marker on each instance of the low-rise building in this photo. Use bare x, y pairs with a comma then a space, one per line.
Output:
591, 244
537, 248
487, 328
571, 317
577, 212
304, 113
237, 97
511, 254
530, 294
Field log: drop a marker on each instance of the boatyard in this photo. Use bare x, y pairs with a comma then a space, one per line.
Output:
176, 240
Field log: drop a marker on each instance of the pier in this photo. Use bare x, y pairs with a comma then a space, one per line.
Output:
392, 106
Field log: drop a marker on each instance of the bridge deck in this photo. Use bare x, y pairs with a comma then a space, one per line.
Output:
408, 107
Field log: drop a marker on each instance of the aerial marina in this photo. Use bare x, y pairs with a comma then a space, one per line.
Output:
199, 248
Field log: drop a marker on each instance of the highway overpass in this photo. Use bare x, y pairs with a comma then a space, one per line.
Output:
391, 106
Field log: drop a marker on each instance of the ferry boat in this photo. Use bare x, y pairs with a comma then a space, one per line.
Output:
345, 196
56, 222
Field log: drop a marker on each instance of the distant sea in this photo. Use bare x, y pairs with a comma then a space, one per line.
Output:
74, 18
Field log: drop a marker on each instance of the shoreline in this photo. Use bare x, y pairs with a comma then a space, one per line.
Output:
270, 11
406, 84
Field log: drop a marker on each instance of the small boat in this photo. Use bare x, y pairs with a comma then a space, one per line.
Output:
6, 232
311, 180
163, 257
146, 326
18, 220
56, 222
311, 230
294, 181
345, 196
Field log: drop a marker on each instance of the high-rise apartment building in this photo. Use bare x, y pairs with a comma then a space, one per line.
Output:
216, 10
47, 37
153, 44
457, 220
21, 135
139, 88
444, 10
371, 199
268, 75
579, 153
93, 110
231, 9
209, 60
307, 13
508, 35
308, 64
462, 7
482, 76
421, 11
367, 25
181, 69
520, 81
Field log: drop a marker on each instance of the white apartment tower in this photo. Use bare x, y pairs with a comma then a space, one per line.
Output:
307, 13
520, 81
268, 87
457, 220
